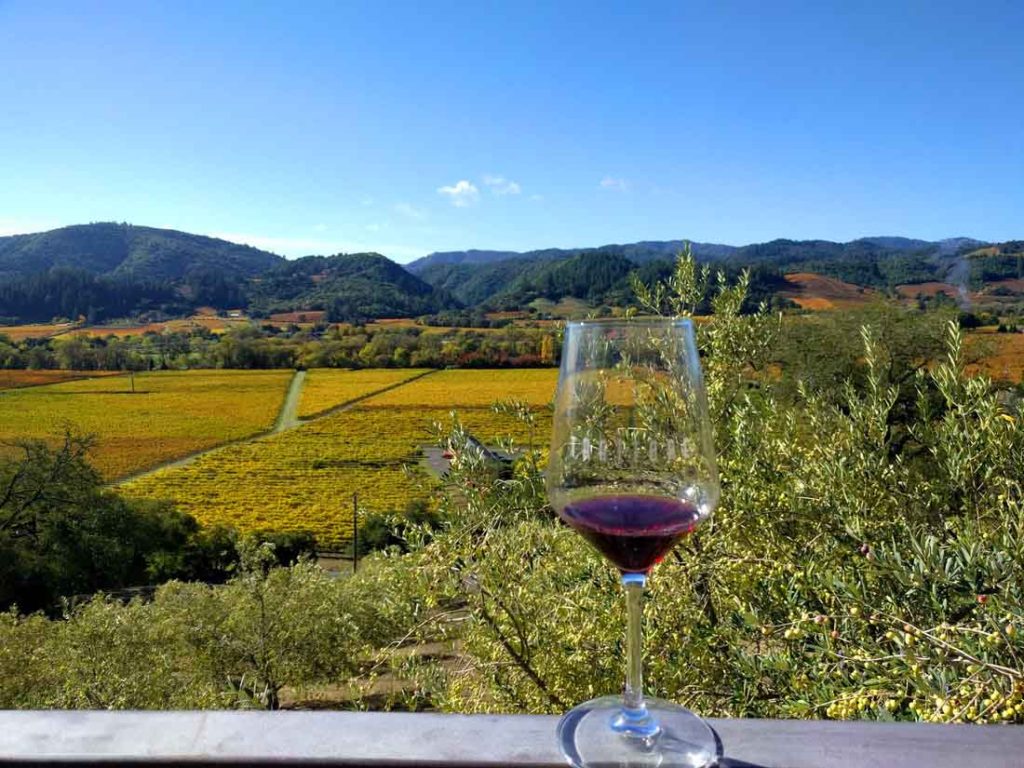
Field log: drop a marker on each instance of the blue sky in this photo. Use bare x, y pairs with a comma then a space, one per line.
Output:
319, 127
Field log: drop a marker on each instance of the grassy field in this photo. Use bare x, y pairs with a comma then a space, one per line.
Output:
300, 317
818, 292
304, 479
1004, 355
210, 322
402, 323
34, 330
929, 289
171, 414
328, 388
567, 307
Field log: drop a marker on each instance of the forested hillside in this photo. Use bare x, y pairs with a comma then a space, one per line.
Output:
507, 280
107, 271
130, 252
646, 250
997, 262
349, 287
101, 272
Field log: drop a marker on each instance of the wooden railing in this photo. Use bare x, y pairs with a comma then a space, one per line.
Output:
433, 740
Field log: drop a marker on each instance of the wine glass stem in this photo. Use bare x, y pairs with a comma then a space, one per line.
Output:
634, 718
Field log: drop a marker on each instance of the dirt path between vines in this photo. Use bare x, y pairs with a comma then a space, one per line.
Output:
287, 418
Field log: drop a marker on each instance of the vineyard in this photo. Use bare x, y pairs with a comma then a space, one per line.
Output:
14, 379
391, 324
1003, 355
35, 330
472, 389
198, 322
303, 479
327, 388
170, 414
213, 324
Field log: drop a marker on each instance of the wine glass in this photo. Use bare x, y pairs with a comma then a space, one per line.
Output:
632, 468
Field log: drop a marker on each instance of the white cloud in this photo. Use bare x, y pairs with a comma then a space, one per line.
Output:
537, 198
373, 227
319, 227
462, 193
616, 185
499, 185
410, 211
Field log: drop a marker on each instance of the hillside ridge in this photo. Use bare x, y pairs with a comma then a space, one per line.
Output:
107, 271
129, 251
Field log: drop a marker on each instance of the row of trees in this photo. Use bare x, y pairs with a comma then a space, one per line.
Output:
253, 347
267, 633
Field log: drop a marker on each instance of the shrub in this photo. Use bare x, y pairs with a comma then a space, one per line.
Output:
866, 561
199, 646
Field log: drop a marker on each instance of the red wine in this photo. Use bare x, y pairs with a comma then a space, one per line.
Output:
634, 532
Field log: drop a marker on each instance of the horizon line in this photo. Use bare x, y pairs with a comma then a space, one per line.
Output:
407, 257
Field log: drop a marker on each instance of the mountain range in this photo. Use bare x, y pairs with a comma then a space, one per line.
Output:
507, 279
653, 250
649, 250
109, 270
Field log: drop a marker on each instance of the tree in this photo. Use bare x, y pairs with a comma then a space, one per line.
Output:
547, 349
62, 533
268, 627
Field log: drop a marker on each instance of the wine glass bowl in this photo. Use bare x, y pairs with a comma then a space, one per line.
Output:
632, 469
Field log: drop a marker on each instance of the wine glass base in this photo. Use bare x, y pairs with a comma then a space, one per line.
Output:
595, 735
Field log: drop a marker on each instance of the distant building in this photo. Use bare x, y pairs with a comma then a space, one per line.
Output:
439, 460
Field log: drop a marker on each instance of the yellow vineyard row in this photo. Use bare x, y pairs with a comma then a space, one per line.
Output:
12, 379
170, 414
303, 479
474, 388
327, 388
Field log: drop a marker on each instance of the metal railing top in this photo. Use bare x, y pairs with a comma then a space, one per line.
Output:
375, 740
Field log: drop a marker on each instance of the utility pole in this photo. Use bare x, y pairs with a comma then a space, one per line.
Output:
355, 532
